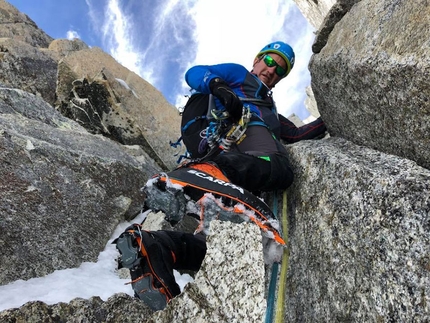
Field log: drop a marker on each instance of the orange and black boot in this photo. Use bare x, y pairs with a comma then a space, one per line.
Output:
149, 256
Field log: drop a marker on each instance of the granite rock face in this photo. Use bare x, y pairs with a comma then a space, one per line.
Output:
371, 79
118, 308
230, 285
94, 89
58, 183
359, 235
94, 104
334, 15
315, 10
65, 47
20, 27
28, 68
131, 111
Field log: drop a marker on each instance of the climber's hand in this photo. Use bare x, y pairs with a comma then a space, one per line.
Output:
228, 98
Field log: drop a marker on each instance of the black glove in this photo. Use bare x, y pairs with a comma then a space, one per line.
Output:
228, 98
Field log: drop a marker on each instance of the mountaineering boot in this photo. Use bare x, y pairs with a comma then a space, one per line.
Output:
171, 192
150, 259
162, 195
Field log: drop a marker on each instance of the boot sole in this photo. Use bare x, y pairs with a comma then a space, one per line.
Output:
143, 286
144, 289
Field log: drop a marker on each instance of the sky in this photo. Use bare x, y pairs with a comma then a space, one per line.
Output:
65, 285
160, 39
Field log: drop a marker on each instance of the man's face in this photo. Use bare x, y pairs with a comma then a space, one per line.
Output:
268, 74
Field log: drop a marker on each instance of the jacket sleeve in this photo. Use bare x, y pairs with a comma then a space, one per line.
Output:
199, 77
290, 133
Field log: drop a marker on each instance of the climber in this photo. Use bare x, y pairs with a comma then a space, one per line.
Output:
257, 162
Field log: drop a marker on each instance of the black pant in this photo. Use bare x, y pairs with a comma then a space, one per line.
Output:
189, 249
254, 173
258, 163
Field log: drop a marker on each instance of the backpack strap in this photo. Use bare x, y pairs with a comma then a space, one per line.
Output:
257, 101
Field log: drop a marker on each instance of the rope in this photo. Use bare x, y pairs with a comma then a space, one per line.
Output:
280, 308
271, 293
273, 274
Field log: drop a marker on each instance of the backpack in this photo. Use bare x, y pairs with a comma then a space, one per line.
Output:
197, 123
194, 123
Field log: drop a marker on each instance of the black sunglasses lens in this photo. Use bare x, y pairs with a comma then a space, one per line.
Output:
280, 71
270, 62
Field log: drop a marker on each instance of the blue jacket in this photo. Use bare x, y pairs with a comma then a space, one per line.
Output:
259, 98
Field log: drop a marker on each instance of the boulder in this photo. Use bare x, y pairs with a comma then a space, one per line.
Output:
371, 79
96, 105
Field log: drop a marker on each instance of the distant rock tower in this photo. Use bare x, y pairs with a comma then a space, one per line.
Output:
315, 10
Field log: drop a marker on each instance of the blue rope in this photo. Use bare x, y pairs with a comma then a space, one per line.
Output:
273, 274
271, 294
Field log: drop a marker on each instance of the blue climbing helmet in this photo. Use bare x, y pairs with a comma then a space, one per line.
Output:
282, 49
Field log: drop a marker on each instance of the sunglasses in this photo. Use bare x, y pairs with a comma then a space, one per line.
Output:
270, 62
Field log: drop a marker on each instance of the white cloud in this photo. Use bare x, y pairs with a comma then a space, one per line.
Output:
166, 20
190, 32
234, 31
94, 15
117, 32
72, 34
